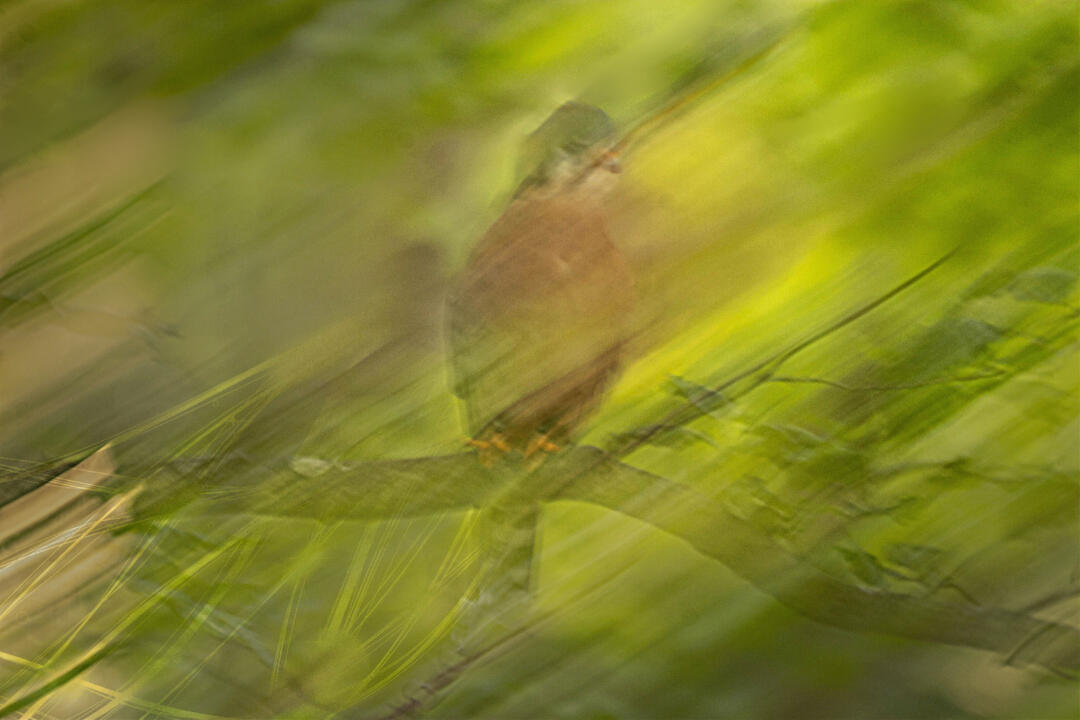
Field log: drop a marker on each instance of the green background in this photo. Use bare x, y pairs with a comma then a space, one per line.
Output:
227, 230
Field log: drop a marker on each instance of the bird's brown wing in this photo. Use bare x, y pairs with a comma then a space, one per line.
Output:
539, 314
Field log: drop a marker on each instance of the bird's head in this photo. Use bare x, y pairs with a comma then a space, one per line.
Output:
574, 146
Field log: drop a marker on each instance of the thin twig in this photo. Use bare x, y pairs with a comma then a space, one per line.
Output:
886, 388
763, 370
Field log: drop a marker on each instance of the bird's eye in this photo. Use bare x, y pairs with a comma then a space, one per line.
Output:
610, 162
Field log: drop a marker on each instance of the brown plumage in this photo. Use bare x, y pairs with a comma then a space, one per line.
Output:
538, 322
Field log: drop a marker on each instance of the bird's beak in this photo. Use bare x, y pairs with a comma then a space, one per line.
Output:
610, 162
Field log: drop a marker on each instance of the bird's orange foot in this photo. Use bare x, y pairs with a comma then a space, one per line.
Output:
540, 443
486, 449
537, 449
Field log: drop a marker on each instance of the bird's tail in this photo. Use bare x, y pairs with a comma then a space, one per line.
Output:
509, 539
515, 549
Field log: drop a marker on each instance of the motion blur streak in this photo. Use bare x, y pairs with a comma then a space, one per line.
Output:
578, 359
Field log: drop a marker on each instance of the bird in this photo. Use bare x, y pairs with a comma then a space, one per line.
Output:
539, 317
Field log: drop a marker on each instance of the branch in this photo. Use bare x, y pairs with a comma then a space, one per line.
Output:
456, 482
365, 491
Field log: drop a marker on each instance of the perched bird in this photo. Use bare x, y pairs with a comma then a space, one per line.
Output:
539, 318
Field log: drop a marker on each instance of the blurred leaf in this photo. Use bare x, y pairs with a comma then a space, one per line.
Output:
1045, 285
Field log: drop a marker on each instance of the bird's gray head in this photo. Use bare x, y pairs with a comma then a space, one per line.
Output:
576, 139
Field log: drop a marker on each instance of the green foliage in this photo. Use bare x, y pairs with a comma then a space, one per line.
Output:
839, 479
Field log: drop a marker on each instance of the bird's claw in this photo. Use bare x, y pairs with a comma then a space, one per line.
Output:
494, 442
537, 449
540, 443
